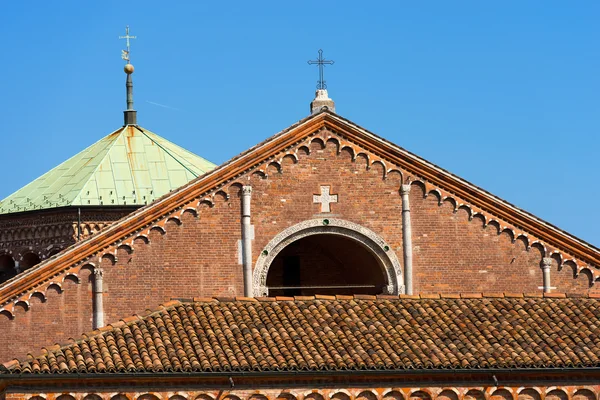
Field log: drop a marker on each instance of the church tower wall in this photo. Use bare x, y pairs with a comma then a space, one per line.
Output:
40, 234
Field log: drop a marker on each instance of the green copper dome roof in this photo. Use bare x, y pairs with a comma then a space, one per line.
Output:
131, 166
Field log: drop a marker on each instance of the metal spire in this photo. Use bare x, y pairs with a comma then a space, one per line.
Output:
321, 62
130, 114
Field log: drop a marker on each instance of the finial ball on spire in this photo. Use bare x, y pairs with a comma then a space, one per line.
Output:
128, 69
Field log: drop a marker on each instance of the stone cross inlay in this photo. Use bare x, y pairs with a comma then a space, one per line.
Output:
325, 198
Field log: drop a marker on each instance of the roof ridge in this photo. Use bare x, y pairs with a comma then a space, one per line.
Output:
422, 296
170, 143
166, 151
109, 148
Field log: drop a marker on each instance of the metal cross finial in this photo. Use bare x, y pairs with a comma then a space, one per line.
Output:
125, 53
321, 63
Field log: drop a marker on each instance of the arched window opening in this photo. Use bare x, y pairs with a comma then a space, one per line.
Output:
325, 264
29, 260
7, 267
54, 251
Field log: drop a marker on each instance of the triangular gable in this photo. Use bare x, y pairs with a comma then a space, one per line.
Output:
462, 193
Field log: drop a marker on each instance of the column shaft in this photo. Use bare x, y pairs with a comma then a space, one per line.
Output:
247, 240
98, 305
407, 239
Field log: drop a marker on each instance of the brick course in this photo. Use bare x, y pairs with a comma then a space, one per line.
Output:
131, 392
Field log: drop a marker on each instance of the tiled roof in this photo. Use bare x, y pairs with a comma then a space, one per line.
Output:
131, 166
338, 333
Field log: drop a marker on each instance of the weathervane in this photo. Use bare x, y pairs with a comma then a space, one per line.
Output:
125, 53
321, 63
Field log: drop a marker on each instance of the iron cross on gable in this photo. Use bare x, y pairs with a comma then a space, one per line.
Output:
325, 198
321, 63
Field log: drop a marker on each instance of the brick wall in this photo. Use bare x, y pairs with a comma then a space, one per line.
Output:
40, 234
198, 254
130, 392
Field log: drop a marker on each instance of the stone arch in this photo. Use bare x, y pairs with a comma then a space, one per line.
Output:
420, 395
393, 395
257, 396
584, 394
314, 396
556, 394
148, 396
366, 395
447, 394
65, 397
339, 395
502, 394
474, 394
385, 256
529, 394
92, 396
286, 396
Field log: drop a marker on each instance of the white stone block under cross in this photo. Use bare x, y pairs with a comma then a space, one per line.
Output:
325, 198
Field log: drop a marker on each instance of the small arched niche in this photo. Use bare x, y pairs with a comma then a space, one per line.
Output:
7, 267
29, 260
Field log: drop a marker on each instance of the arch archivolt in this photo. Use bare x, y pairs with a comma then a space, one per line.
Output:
385, 256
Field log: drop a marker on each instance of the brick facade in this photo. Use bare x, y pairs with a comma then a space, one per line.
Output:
130, 392
194, 251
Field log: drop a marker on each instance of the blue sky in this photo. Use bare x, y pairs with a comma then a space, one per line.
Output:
503, 94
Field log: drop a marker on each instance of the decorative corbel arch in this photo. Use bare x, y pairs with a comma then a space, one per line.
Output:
384, 255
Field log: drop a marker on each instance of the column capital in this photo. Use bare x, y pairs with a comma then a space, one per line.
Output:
98, 272
405, 189
546, 262
247, 190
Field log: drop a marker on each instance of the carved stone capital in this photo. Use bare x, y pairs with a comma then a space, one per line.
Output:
246, 190
98, 273
404, 189
546, 262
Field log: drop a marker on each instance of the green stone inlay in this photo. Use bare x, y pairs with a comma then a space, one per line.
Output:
131, 166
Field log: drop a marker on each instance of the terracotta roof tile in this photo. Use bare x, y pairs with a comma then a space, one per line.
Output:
345, 333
